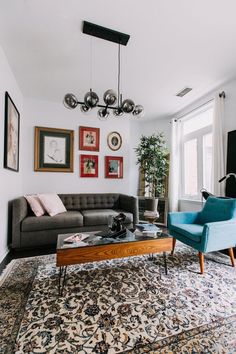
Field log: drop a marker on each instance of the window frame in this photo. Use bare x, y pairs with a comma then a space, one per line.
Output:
197, 134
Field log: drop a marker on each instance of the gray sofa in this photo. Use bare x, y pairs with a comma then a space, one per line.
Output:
85, 212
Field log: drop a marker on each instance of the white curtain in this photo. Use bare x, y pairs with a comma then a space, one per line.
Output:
174, 177
218, 161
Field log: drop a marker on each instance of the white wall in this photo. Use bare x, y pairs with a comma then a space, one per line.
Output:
49, 114
10, 181
157, 126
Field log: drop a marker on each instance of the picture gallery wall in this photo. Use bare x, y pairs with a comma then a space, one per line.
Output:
54, 151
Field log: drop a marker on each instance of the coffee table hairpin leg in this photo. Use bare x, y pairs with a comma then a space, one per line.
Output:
165, 262
62, 279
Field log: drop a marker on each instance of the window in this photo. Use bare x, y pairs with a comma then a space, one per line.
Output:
196, 153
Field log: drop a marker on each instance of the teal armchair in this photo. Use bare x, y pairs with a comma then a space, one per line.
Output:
212, 229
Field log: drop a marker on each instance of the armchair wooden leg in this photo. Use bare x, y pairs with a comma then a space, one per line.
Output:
231, 254
201, 259
173, 245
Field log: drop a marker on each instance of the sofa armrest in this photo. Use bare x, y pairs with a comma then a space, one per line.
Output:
19, 212
130, 203
182, 218
219, 235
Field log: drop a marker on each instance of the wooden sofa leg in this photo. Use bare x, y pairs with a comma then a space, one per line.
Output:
173, 245
201, 259
231, 254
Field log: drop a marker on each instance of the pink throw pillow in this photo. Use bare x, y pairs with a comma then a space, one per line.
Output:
52, 204
35, 205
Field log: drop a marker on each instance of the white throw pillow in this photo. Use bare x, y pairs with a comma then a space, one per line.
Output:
35, 204
52, 203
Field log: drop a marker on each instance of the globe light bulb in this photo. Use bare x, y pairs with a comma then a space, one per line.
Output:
70, 101
103, 114
84, 108
128, 106
118, 112
138, 111
91, 99
110, 97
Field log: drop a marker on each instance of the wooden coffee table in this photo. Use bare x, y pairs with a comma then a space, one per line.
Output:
99, 249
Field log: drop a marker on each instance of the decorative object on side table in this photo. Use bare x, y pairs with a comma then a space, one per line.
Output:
89, 138
53, 150
88, 166
151, 216
12, 135
114, 141
113, 167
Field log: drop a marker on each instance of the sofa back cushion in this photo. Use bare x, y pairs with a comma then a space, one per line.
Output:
217, 209
90, 201
35, 204
52, 203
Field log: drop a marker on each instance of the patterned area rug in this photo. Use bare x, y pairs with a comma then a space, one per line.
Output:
120, 306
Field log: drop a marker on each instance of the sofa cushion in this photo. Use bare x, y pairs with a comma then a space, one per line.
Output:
217, 209
52, 203
35, 205
191, 231
100, 216
59, 221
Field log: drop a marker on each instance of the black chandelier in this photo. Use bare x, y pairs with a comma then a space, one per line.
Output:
110, 97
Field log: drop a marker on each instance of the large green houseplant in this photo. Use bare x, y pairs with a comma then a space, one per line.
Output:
152, 157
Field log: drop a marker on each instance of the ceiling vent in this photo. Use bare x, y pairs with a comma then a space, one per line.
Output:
184, 92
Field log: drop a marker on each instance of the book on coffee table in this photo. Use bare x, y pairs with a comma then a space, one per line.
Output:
76, 238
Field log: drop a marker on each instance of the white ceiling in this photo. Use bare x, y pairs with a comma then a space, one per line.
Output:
173, 44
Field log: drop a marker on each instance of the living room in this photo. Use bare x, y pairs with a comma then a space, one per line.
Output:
177, 66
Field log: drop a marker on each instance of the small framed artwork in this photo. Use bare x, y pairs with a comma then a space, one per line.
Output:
89, 138
113, 167
12, 135
53, 150
88, 166
114, 141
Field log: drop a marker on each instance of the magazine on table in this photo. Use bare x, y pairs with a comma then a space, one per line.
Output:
76, 240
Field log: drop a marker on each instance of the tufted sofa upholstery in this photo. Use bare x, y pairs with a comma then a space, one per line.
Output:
85, 212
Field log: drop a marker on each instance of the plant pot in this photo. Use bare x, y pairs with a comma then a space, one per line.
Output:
151, 203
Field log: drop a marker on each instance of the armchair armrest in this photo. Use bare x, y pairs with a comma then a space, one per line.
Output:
130, 203
182, 218
219, 235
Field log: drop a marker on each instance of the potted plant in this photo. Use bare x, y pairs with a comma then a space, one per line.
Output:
152, 157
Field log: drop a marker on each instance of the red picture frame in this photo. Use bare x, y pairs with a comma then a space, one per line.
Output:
89, 138
88, 165
113, 167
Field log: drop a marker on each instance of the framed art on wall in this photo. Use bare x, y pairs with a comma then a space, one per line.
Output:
53, 150
12, 135
114, 141
89, 138
88, 166
113, 167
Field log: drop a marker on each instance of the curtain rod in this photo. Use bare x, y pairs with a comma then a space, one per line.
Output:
221, 94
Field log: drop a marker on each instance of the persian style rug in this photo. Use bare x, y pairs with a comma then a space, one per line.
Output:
120, 306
